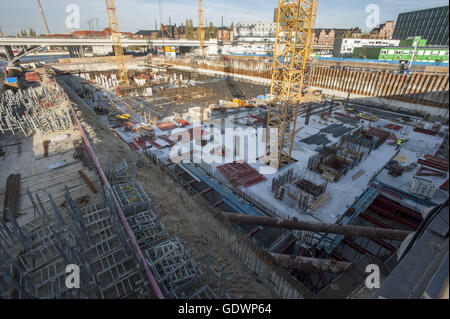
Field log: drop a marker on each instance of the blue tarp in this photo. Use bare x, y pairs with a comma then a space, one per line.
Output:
381, 61
11, 80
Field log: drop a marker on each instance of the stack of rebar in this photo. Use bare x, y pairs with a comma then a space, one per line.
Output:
12, 195
284, 178
34, 110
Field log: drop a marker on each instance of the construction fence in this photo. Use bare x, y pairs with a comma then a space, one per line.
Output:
416, 87
421, 88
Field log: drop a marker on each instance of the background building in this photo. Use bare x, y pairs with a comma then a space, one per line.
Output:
255, 31
431, 24
343, 48
327, 36
383, 31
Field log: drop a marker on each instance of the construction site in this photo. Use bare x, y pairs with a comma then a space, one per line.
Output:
224, 177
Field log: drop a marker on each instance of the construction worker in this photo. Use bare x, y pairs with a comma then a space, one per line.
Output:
399, 143
360, 114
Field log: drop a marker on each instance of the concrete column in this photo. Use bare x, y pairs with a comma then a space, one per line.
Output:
9, 52
71, 52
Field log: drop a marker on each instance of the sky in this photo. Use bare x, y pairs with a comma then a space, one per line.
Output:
135, 15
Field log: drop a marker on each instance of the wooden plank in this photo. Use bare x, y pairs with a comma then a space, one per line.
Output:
380, 83
88, 182
332, 78
355, 82
418, 88
371, 83
320, 78
400, 85
386, 85
430, 91
394, 85
320, 201
361, 82
374, 85
357, 175
425, 87
412, 85
341, 80
336, 79
348, 81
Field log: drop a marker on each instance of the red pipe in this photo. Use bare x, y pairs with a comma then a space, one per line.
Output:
397, 206
390, 215
383, 244
357, 247
335, 255
220, 202
254, 231
374, 221
148, 273
285, 247
320, 273
203, 192
300, 254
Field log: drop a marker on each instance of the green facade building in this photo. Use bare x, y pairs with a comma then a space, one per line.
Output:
408, 48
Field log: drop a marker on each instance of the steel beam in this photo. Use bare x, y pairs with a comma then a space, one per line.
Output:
311, 264
317, 227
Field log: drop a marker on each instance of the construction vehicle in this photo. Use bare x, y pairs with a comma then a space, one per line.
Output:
100, 110
124, 116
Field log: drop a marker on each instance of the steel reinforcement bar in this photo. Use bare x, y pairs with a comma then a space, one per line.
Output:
151, 279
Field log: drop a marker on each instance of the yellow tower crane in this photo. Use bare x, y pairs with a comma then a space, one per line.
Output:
200, 30
293, 44
117, 42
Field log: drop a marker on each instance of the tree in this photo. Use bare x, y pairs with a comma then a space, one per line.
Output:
186, 29
24, 34
210, 31
232, 27
32, 33
190, 30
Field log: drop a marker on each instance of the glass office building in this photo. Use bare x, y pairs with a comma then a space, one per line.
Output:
430, 24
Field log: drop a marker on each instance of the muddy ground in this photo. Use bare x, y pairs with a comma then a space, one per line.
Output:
179, 220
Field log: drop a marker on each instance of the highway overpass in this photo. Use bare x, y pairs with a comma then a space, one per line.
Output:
99, 42
76, 45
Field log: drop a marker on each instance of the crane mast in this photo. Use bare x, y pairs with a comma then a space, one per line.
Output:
293, 42
200, 31
117, 42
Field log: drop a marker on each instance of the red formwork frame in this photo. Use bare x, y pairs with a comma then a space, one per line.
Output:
148, 273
